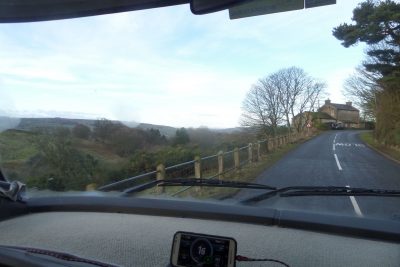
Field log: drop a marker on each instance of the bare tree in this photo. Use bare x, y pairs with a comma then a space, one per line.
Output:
261, 107
362, 88
288, 84
298, 93
306, 103
280, 97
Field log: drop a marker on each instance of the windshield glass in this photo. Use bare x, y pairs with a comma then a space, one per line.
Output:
307, 97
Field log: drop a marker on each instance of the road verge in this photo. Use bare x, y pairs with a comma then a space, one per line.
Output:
387, 152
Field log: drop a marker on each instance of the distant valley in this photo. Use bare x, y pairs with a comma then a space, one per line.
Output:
29, 124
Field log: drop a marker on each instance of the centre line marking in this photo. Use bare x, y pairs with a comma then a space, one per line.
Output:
355, 205
334, 141
337, 162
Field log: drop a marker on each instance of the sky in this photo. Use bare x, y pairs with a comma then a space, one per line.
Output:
165, 66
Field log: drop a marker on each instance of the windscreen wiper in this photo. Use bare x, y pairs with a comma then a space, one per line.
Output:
196, 182
293, 191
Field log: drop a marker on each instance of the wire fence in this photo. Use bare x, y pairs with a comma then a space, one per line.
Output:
182, 170
228, 160
209, 167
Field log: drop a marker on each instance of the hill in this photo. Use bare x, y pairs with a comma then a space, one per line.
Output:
29, 124
168, 131
35, 123
8, 123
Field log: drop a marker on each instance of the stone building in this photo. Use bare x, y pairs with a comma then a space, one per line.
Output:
346, 114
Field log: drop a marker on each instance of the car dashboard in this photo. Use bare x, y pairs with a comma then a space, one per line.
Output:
137, 235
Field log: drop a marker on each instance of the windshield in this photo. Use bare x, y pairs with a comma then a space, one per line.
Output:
306, 97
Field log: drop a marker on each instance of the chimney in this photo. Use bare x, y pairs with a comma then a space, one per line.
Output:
348, 103
327, 102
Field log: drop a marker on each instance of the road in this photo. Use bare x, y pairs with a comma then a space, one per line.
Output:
334, 158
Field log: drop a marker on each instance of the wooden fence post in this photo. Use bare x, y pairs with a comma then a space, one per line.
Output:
250, 153
220, 164
197, 167
160, 176
236, 158
197, 171
91, 187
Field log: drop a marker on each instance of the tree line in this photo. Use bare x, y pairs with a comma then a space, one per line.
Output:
375, 86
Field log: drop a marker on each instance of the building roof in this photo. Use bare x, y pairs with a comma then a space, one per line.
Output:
316, 115
322, 115
343, 107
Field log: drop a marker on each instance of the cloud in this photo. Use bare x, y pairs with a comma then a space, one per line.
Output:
165, 65
6, 101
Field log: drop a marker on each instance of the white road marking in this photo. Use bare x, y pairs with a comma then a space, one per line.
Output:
337, 162
353, 200
349, 145
357, 209
334, 141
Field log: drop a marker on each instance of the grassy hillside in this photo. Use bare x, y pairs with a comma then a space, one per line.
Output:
16, 148
19, 152
17, 145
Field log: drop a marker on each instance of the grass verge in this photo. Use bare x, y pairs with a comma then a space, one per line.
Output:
389, 152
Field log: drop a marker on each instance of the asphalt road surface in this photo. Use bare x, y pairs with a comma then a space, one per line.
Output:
334, 158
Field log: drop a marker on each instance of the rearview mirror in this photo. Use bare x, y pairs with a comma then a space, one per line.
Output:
200, 7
